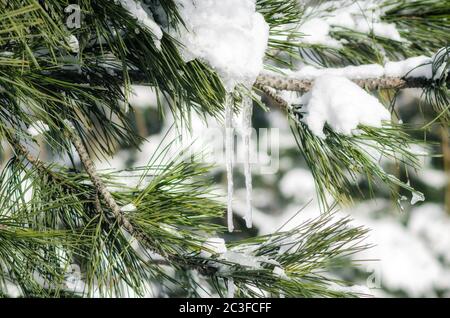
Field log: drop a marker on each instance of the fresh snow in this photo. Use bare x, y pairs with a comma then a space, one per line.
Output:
241, 255
241, 259
144, 17
229, 35
341, 104
38, 128
309, 72
418, 66
73, 43
279, 272
317, 31
214, 245
414, 67
360, 16
359, 290
130, 207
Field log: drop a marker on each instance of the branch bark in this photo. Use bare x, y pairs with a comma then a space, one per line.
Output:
272, 94
23, 151
99, 185
291, 84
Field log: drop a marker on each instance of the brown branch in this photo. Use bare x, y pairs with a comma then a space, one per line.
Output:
89, 166
99, 185
20, 149
272, 94
269, 84
291, 84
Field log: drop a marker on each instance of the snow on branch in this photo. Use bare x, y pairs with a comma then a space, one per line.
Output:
414, 72
230, 36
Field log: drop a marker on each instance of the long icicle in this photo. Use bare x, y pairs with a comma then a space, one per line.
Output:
247, 112
229, 156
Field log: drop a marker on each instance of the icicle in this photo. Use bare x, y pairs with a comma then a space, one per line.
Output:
231, 288
229, 155
247, 112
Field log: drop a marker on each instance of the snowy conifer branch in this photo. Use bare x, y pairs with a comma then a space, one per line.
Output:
291, 84
131, 233
263, 267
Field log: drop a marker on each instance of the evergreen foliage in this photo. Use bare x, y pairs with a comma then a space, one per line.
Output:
53, 217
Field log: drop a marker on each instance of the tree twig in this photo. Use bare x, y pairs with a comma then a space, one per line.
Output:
103, 192
272, 94
20, 149
98, 183
292, 84
89, 166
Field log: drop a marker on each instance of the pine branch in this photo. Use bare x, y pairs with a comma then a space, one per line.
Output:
275, 81
98, 183
292, 84
20, 149
111, 203
91, 171
35, 162
272, 94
